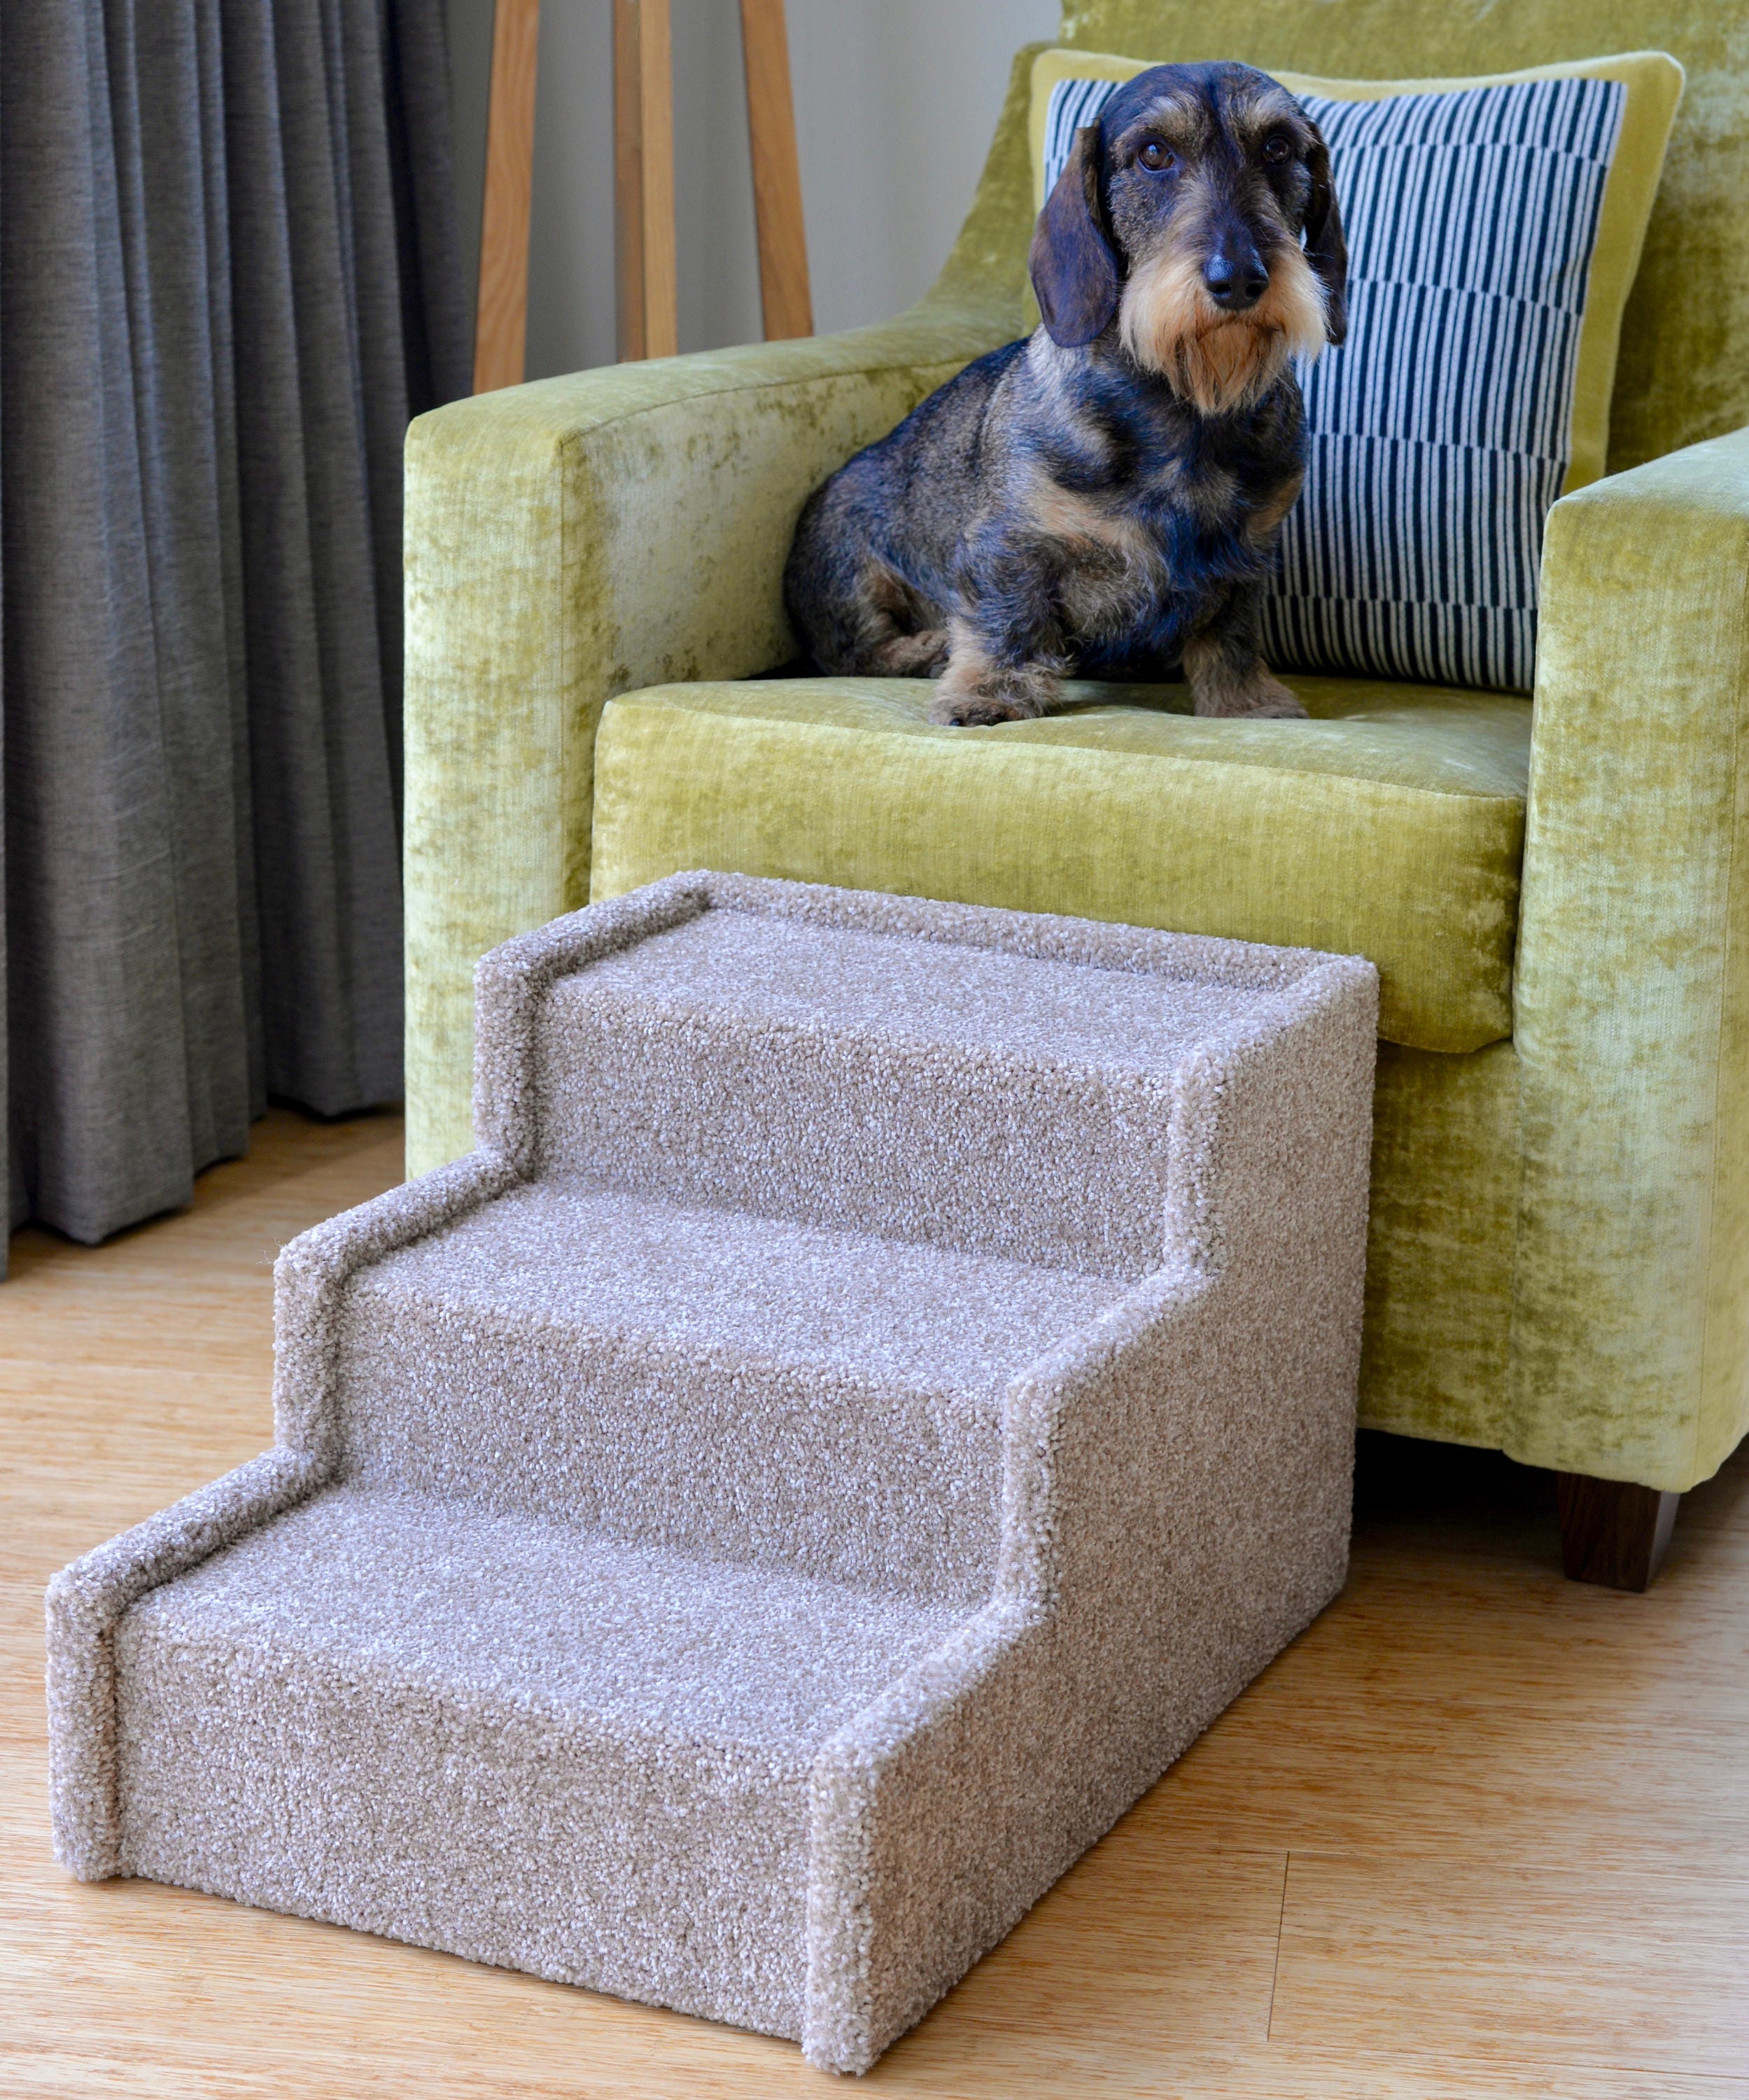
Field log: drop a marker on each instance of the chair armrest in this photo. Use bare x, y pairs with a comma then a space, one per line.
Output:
1631, 1325
581, 537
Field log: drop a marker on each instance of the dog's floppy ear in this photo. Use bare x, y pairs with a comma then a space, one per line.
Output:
1074, 271
1326, 250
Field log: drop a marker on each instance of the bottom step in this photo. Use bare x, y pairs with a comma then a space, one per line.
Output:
502, 1737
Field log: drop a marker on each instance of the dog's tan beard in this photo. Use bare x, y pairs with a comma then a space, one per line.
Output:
1218, 361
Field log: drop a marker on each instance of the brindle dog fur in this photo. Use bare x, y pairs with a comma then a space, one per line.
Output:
1105, 497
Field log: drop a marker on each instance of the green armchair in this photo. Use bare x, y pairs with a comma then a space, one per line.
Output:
1556, 890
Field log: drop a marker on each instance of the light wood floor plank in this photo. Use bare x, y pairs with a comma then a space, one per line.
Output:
1505, 1818
1471, 1703
1636, 1971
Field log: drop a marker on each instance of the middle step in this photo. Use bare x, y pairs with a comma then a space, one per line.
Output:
705, 1379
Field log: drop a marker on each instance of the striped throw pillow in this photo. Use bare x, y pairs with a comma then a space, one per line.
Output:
1441, 432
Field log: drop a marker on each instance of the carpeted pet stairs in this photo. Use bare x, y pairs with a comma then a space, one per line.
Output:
883, 1383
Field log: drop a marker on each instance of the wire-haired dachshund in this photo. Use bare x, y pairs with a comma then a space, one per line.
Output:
1105, 496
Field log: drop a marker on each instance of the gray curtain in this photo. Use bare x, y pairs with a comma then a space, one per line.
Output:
228, 276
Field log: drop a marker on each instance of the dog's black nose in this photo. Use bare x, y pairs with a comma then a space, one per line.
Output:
1235, 283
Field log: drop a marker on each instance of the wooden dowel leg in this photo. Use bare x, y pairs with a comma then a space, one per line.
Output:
628, 180
500, 331
644, 180
784, 293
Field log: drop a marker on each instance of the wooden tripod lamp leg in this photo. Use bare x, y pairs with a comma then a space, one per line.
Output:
500, 327
776, 174
644, 180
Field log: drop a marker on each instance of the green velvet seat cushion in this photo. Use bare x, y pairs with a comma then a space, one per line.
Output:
1390, 824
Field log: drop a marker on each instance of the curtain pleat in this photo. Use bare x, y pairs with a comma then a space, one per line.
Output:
227, 277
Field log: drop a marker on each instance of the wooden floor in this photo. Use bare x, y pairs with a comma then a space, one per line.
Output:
1480, 1831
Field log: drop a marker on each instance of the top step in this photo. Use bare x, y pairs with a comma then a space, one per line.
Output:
1021, 1009
996, 1081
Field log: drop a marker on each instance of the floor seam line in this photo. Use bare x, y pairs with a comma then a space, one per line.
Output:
1281, 1921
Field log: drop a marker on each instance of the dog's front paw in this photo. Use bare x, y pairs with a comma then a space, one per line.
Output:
961, 710
1259, 698
1274, 707
1231, 682
975, 691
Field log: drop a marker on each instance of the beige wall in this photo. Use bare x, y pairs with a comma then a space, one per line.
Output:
896, 101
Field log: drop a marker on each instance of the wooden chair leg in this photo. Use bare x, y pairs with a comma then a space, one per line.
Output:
644, 180
784, 294
501, 319
1613, 1531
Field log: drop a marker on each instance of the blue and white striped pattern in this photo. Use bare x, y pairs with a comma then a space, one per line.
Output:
1073, 103
1437, 435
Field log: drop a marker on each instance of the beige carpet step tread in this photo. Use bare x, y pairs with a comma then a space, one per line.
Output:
757, 968
444, 1600
503, 1738
705, 1380
866, 1078
737, 1288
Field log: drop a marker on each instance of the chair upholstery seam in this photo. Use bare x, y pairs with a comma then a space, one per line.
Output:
1707, 1343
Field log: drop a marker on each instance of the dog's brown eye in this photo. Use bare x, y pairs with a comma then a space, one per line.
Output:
1276, 149
1155, 157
